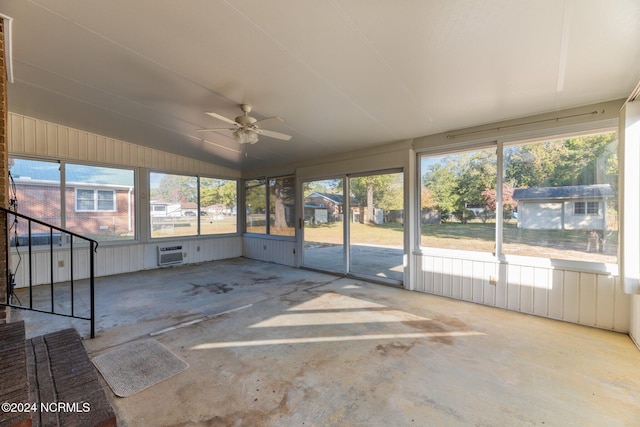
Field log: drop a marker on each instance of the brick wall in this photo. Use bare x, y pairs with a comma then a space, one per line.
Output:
4, 188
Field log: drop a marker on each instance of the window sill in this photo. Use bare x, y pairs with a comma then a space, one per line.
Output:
549, 263
269, 237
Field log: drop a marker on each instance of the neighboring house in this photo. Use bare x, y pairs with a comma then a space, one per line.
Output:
165, 210
576, 207
189, 209
91, 207
325, 207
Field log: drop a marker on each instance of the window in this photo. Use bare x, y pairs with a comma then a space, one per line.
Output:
183, 205
270, 206
456, 211
36, 190
173, 205
95, 200
588, 208
548, 183
255, 194
218, 206
98, 201
558, 199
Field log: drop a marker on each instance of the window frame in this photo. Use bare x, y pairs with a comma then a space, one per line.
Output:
267, 185
64, 187
198, 208
609, 126
456, 149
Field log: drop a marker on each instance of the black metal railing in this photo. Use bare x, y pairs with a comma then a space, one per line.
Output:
63, 240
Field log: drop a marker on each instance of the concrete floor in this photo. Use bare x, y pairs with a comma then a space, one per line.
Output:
308, 349
381, 262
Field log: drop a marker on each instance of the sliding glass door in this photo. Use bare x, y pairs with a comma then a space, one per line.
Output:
361, 235
323, 243
376, 225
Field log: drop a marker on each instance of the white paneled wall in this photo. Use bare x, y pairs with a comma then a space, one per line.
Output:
590, 299
270, 250
33, 137
112, 259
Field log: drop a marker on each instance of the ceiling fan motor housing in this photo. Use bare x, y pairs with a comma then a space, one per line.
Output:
245, 120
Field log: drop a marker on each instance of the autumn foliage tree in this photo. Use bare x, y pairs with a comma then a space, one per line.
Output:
508, 203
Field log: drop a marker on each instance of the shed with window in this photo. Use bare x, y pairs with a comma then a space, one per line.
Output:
575, 207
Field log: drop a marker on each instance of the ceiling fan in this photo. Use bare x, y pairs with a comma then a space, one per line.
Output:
246, 129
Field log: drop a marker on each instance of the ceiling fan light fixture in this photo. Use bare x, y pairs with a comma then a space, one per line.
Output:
245, 136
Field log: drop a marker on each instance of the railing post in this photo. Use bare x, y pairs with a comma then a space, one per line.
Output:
8, 249
71, 270
53, 309
92, 315
30, 268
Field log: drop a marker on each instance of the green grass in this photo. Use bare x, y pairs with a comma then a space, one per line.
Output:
390, 234
473, 236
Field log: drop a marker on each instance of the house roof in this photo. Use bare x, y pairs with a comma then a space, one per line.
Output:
333, 198
565, 192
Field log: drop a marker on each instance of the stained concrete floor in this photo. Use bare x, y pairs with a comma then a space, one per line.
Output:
294, 347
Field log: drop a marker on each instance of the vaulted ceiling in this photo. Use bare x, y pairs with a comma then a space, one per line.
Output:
342, 74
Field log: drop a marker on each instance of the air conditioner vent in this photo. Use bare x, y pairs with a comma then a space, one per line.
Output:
170, 254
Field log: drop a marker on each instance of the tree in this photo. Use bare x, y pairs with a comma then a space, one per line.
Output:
383, 191
176, 188
583, 160
457, 181
427, 202
229, 194
218, 192
332, 186
508, 203
282, 190
441, 180
479, 171
256, 196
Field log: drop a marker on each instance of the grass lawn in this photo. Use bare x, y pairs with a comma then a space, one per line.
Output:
480, 237
182, 226
390, 234
473, 236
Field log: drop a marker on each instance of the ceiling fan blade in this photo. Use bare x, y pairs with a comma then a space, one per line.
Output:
269, 119
272, 134
213, 129
223, 118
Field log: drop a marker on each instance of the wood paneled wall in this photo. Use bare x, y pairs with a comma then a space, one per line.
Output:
41, 139
590, 299
33, 137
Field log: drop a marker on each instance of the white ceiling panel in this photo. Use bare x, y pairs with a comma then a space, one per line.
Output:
343, 74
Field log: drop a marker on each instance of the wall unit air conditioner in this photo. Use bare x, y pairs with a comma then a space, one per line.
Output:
170, 254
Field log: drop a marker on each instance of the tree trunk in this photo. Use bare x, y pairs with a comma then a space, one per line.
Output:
370, 218
280, 220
